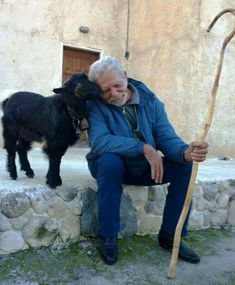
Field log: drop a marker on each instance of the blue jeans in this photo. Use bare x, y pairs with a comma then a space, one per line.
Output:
110, 172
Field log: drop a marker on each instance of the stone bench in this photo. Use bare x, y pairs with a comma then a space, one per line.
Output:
33, 215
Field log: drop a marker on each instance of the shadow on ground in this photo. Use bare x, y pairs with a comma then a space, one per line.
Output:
141, 261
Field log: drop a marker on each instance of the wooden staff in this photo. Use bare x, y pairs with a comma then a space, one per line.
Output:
189, 195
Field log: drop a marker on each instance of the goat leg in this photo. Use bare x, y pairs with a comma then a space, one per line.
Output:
10, 147
53, 178
22, 148
10, 138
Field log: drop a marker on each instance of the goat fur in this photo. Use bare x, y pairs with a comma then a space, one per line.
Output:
29, 117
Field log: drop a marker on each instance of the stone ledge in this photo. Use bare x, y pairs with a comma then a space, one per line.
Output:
32, 215
39, 216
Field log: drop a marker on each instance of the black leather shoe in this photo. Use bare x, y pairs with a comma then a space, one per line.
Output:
109, 250
166, 241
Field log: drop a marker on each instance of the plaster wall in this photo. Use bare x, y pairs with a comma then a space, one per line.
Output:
169, 47
32, 35
173, 53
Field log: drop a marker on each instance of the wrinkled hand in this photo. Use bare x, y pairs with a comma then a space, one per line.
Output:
196, 151
154, 158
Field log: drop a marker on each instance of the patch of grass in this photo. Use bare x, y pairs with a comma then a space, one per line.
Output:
44, 263
202, 241
48, 265
137, 247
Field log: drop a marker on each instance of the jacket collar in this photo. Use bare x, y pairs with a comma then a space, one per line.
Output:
142, 90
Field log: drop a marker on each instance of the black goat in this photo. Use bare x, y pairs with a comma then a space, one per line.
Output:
56, 119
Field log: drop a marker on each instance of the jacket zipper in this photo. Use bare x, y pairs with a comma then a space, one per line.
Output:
137, 122
124, 112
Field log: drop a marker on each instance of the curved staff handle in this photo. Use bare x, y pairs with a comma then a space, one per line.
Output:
189, 195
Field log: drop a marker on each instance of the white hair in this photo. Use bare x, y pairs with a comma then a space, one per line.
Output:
102, 65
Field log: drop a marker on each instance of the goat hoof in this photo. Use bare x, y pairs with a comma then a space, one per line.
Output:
30, 173
13, 177
54, 182
13, 173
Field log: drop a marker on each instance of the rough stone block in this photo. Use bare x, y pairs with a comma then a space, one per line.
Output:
18, 223
38, 203
224, 186
15, 204
207, 219
155, 207
5, 225
89, 218
69, 228
152, 195
198, 191
200, 204
128, 219
141, 213
48, 194
156, 193
150, 224
137, 193
222, 201
29, 213
219, 218
137, 205
57, 207
210, 191
212, 205
11, 241
40, 231
231, 213
67, 193
75, 206
196, 220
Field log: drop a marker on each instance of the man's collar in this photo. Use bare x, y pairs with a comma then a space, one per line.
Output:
135, 98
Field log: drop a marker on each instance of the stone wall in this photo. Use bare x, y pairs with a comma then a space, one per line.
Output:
42, 217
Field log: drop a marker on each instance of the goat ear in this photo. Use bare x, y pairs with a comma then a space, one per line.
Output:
58, 90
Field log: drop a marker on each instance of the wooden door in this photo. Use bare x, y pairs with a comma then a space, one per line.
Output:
75, 60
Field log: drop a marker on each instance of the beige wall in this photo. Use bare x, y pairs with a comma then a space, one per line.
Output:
170, 51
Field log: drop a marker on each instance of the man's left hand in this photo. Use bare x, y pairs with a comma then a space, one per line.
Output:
196, 151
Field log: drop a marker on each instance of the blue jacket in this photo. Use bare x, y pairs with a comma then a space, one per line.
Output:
109, 130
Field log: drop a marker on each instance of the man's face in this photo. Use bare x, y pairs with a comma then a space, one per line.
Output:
114, 87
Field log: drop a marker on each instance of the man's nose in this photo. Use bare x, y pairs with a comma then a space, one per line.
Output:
113, 91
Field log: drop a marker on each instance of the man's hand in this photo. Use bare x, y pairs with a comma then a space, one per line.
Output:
154, 158
196, 151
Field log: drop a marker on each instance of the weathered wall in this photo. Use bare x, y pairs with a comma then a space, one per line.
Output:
32, 33
170, 51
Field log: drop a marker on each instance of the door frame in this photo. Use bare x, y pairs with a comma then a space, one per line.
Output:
76, 47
